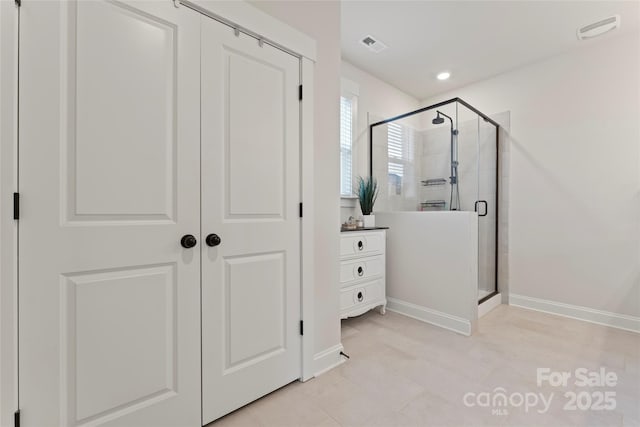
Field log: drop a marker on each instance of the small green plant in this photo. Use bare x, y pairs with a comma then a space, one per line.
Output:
367, 190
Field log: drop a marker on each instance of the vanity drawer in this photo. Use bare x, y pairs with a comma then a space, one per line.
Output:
362, 295
359, 269
361, 244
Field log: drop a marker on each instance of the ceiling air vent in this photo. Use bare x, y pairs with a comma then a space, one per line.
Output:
373, 45
598, 28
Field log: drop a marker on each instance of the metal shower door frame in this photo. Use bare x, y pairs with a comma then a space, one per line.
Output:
487, 119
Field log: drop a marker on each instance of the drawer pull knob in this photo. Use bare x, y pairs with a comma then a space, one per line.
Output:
360, 296
360, 271
360, 245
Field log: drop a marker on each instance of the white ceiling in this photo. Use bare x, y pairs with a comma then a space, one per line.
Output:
473, 40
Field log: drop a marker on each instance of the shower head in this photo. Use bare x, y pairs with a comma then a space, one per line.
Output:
438, 120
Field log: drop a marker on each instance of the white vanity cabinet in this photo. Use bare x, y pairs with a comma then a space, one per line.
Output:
362, 271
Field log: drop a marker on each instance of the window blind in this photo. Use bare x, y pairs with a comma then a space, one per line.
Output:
346, 144
399, 148
399, 152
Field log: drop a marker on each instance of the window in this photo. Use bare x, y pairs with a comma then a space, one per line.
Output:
348, 132
400, 142
346, 145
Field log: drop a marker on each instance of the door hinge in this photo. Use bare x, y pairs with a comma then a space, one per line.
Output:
302, 327
300, 92
300, 210
16, 206
16, 418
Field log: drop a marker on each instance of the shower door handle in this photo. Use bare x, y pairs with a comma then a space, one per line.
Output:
486, 207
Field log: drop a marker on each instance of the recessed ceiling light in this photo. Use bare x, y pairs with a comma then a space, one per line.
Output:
443, 76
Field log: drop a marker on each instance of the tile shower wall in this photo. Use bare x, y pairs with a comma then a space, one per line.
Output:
435, 164
504, 174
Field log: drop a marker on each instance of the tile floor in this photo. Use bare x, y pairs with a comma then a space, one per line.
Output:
403, 372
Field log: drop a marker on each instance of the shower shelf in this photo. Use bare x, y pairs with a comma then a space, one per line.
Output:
436, 181
433, 204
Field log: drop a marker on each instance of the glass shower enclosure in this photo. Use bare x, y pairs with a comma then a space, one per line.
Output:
443, 157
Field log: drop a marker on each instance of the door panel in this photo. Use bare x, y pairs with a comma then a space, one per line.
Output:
109, 154
250, 195
125, 58
100, 370
255, 288
255, 93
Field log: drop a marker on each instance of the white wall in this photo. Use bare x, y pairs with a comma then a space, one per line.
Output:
379, 100
321, 21
432, 266
574, 213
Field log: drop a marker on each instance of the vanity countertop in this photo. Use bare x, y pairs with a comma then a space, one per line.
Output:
344, 230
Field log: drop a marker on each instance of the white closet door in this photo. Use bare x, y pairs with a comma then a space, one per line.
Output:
109, 180
250, 199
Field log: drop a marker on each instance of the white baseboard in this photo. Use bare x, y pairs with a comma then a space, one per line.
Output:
606, 318
328, 359
489, 305
434, 317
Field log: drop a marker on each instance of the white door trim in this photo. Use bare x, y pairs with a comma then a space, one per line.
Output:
308, 218
9, 15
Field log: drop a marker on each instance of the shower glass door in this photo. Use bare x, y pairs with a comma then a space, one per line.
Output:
488, 209
477, 153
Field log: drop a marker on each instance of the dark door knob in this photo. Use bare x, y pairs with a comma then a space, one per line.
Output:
188, 241
213, 240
